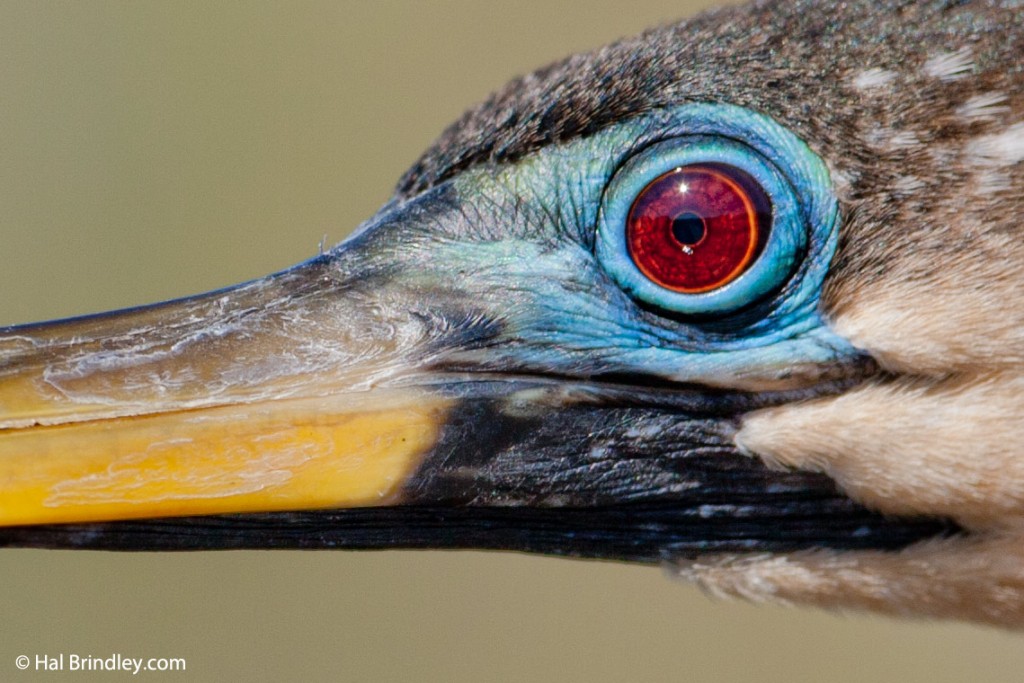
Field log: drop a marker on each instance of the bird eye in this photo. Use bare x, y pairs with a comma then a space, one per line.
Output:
698, 227
702, 224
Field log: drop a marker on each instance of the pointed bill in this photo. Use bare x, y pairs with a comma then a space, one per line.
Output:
275, 395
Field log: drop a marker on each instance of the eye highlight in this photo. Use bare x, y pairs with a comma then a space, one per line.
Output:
698, 227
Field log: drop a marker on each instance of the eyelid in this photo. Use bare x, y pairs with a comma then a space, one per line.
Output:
787, 236
800, 190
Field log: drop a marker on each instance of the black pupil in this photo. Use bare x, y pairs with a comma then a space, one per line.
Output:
688, 228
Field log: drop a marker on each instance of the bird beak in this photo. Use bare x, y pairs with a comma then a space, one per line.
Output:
274, 395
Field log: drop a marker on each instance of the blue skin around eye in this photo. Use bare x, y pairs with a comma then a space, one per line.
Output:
788, 275
538, 245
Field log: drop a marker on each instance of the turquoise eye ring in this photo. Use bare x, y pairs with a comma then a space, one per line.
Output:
717, 217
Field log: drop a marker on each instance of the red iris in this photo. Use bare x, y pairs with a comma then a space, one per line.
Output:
697, 228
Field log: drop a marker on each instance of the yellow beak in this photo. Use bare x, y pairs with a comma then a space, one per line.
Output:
275, 395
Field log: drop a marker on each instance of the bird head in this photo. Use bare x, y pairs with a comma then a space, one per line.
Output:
736, 295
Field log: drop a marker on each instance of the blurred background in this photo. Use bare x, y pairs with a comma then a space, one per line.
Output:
153, 150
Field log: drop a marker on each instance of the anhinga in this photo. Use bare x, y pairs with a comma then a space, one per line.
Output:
736, 294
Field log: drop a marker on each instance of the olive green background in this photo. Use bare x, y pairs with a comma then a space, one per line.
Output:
149, 151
